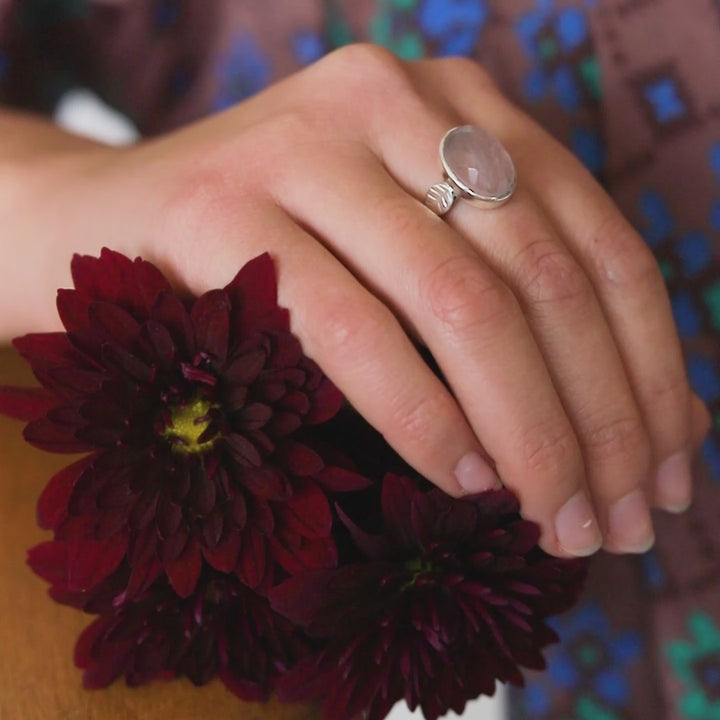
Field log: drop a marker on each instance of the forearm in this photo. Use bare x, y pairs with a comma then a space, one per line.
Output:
42, 169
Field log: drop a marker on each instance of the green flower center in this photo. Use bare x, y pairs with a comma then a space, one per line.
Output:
187, 425
418, 567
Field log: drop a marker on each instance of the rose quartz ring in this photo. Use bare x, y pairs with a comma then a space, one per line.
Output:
477, 168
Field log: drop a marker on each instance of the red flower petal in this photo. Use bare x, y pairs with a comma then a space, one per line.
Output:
170, 312
50, 561
253, 561
53, 503
110, 323
25, 404
300, 459
253, 292
327, 401
224, 557
336, 479
244, 369
56, 438
307, 512
211, 317
184, 572
91, 561
115, 278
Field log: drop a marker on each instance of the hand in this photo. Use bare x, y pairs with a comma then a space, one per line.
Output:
548, 316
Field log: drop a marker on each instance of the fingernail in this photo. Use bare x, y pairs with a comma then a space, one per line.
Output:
576, 527
629, 524
673, 483
474, 474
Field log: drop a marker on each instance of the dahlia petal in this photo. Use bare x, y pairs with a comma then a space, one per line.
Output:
212, 529
244, 369
284, 423
183, 573
337, 479
239, 510
53, 503
267, 483
91, 561
253, 562
25, 404
83, 655
50, 561
175, 545
143, 575
110, 522
211, 317
254, 416
203, 496
73, 308
307, 512
114, 495
300, 459
253, 293
110, 278
326, 403
371, 546
243, 450
144, 509
301, 555
170, 312
287, 352
78, 380
117, 357
298, 402
161, 342
398, 494
52, 437
169, 516
47, 350
110, 323
224, 557
234, 398
107, 668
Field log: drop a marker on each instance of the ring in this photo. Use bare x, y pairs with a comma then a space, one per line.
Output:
476, 168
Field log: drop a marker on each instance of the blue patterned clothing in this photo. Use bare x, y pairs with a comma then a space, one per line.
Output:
632, 87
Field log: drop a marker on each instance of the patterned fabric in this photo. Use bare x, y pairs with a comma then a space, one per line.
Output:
632, 87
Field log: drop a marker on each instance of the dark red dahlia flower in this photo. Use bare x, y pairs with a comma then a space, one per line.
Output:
453, 595
193, 410
223, 628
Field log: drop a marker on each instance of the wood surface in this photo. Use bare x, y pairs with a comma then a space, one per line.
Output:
38, 680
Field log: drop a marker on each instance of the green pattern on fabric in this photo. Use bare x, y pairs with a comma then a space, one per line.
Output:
590, 73
694, 663
387, 30
712, 299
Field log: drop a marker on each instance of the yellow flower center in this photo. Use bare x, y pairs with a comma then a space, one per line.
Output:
187, 424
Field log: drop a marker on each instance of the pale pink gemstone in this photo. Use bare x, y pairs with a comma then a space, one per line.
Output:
478, 163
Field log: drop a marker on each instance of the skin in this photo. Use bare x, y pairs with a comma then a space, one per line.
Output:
548, 316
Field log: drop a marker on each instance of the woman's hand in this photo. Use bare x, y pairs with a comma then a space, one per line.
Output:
547, 316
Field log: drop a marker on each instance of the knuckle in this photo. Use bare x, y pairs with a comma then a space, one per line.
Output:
550, 275
462, 297
550, 453
622, 437
623, 258
418, 420
366, 70
348, 327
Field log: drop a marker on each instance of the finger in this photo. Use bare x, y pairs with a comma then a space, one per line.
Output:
616, 259
581, 354
473, 325
359, 344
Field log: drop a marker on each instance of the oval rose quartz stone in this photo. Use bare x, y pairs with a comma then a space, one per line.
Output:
478, 163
